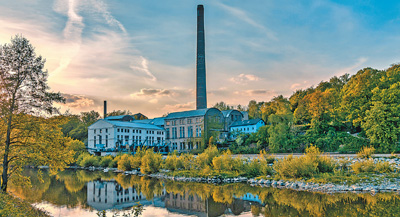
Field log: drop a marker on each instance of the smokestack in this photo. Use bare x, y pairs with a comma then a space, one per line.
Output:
105, 109
201, 92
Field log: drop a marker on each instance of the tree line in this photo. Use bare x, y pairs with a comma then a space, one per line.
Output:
342, 114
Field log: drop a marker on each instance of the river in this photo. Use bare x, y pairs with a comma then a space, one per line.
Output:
84, 193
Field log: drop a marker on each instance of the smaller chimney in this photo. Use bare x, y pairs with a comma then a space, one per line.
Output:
105, 109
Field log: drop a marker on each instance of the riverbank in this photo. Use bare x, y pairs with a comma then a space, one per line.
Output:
12, 206
336, 182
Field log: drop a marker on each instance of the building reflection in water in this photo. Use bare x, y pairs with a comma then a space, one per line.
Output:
105, 195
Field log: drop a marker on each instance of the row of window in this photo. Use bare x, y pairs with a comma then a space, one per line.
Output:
182, 121
243, 129
101, 130
185, 146
174, 134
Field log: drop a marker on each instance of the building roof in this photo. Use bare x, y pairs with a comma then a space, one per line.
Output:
191, 113
226, 113
155, 121
121, 118
158, 121
133, 125
246, 122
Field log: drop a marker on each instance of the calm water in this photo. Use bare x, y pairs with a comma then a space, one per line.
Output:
83, 193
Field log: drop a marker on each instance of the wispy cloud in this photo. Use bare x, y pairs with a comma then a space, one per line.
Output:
179, 107
102, 8
149, 92
240, 14
244, 78
141, 65
350, 69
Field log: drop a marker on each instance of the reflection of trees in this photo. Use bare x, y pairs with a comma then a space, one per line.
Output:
69, 188
34, 193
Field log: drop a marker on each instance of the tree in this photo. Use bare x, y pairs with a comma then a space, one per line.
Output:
24, 93
382, 121
222, 106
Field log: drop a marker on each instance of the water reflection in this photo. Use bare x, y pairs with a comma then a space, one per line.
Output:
86, 192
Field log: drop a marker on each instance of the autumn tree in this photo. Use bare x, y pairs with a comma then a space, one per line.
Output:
26, 138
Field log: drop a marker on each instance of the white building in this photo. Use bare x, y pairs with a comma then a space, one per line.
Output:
247, 126
122, 133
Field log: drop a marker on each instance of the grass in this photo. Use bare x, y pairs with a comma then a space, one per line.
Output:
12, 206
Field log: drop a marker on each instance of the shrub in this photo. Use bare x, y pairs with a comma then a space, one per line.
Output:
173, 162
125, 162
207, 156
106, 161
151, 162
252, 168
383, 167
363, 166
186, 161
223, 162
366, 152
305, 166
89, 160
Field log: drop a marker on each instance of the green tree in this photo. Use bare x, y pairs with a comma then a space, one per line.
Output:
357, 94
222, 106
24, 93
382, 121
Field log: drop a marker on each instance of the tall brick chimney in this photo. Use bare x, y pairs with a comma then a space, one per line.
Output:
201, 91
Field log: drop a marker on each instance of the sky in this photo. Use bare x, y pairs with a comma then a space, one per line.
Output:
140, 55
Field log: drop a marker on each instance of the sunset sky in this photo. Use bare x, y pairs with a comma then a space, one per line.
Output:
139, 55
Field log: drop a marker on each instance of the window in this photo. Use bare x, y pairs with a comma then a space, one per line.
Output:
100, 130
182, 121
94, 131
197, 132
167, 123
95, 140
174, 133
106, 130
181, 132
190, 131
189, 121
106, 140
167, 135
117, 130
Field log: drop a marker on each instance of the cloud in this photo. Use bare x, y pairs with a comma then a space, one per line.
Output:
179, 107
141, 65
244, 78
355, 67
297, 86
254, 92
240, 14
77, 101
149, 92
103, 10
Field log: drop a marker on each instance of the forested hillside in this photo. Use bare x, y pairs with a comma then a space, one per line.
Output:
342, 114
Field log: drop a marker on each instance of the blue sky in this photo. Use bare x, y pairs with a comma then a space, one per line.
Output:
140, 55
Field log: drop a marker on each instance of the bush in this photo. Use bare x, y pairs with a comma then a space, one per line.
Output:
173, 162
223, 162
366, 152
363, 166
106, 161
305, 166
89, 160
151, 162
207, 156
252, 168
125, 162
383, 167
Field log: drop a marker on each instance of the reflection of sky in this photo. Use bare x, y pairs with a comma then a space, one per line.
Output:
149, 211
140, 55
